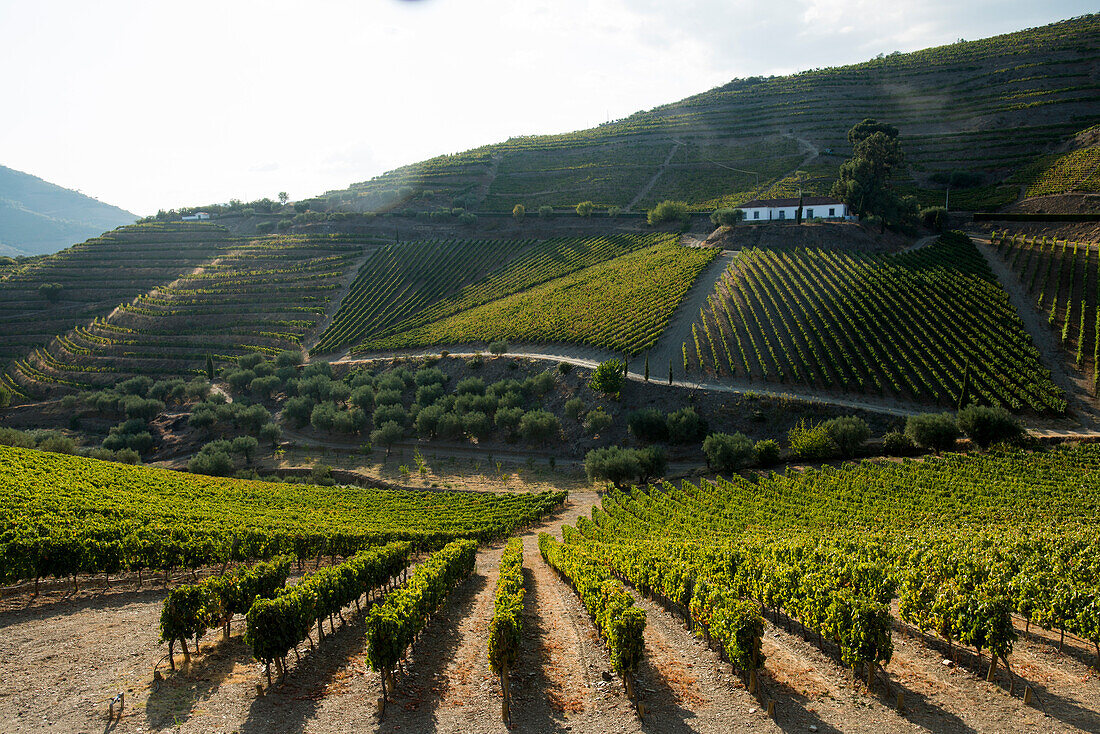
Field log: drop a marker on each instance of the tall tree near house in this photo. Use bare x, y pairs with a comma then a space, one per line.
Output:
864, 182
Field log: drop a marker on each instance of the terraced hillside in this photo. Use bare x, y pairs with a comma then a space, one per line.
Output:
405, 286
94, 277
262, 295
622, 304
930, 325
1062, 278
985, 107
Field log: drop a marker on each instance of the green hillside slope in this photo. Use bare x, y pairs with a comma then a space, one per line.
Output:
985, 107
38, 217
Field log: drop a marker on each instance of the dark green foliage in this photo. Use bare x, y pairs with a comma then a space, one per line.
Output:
622, 466
597, 421
896, 443
508, 419
934, 218
387, 434
539, 426
986, 426
668, 211
574, 408
609, 376
686, 426
585, 208
470, 386
391, 414
811, 442
726, 217
298, 410
648, 424
848, 433
932, 431
476, 424
498, 347
766, 452
728, 452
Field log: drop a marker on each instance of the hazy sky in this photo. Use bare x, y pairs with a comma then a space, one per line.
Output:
158, 104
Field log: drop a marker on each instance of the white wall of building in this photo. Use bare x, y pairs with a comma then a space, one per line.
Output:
825, 211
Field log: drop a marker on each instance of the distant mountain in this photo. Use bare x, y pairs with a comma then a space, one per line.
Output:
38, 217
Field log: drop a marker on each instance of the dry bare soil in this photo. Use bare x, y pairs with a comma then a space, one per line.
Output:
64, 655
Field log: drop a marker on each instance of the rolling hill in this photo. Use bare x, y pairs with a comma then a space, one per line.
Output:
998, 110
38, 217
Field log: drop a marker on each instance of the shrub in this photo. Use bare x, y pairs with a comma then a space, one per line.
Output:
597, 421
727, 452
726, 217
249, 361
652, 461
936, 431
519, 211
546, 211
428, 394
387, 435
848, 433
766, 452
239, 380
391, 414
362, 397
585, 208
212, 459
896, 443
323, 417
538, 426
986, 426
270, 432
574, 408
387, 397
668, 211
427, 420
934, 218
565, 367
136, 386
470, 386
498, 347
609, 376
811, 442
686, 426
508, 419
245, 446
539, 385
289, 358
298, 410
60, 444
429, 376
614, 211
449, 426
476, 424
264, 386
648, 424
285, 224
612, 464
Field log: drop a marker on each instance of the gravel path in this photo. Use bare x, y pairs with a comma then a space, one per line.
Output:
1081, 405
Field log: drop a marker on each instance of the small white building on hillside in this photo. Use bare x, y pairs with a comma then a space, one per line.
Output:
197, 216
823, 207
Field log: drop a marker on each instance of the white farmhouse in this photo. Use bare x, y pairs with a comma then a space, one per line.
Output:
824, 207
197, 216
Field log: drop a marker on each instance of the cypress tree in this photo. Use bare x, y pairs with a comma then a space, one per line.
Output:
647, 366
964, 394
210, 367
670, 372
